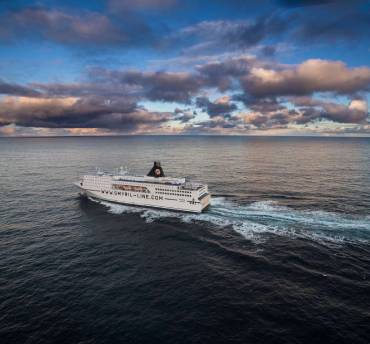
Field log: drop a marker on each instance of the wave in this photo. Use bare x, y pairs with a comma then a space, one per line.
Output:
253, 221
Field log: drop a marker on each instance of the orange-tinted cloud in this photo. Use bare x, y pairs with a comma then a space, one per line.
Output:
308, 77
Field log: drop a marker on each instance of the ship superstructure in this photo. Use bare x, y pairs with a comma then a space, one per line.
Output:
148, 191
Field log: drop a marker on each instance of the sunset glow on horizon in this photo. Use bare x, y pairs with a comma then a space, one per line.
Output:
109, 67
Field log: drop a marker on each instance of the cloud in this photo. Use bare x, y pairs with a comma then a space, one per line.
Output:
164, 86
313, 21
231, 34
222, 106
132, 84
341, 22
89, 88
311, 109
311, 76
298, 3
221, 74
268, 96
259, 79
218, 125
17, 90
183, 115
131, 23
13, 130
82, 29
89, 112
334, 21
129, 5
270, 120
307, 110
153, 85
285, 121
266, 104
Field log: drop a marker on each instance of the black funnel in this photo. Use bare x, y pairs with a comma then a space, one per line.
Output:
156, 170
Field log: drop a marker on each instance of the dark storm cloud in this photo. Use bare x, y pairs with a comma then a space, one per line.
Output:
89, 112
221, 107
17, 90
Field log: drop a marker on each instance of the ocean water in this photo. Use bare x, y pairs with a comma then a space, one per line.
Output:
281, 256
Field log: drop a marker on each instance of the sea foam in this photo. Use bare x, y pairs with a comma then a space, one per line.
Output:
253, 221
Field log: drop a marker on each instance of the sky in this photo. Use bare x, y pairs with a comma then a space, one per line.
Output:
220, 67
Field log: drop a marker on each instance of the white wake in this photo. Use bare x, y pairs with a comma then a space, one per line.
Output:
254, 220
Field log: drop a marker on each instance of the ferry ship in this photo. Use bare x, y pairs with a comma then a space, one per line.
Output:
153, 190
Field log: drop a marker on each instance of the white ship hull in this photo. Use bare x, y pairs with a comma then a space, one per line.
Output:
164, 193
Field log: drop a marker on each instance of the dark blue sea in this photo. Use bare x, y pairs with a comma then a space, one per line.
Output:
281, 256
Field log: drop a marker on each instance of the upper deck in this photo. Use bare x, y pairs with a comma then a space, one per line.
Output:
168, 181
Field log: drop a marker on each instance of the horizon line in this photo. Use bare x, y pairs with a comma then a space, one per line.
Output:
183, 135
